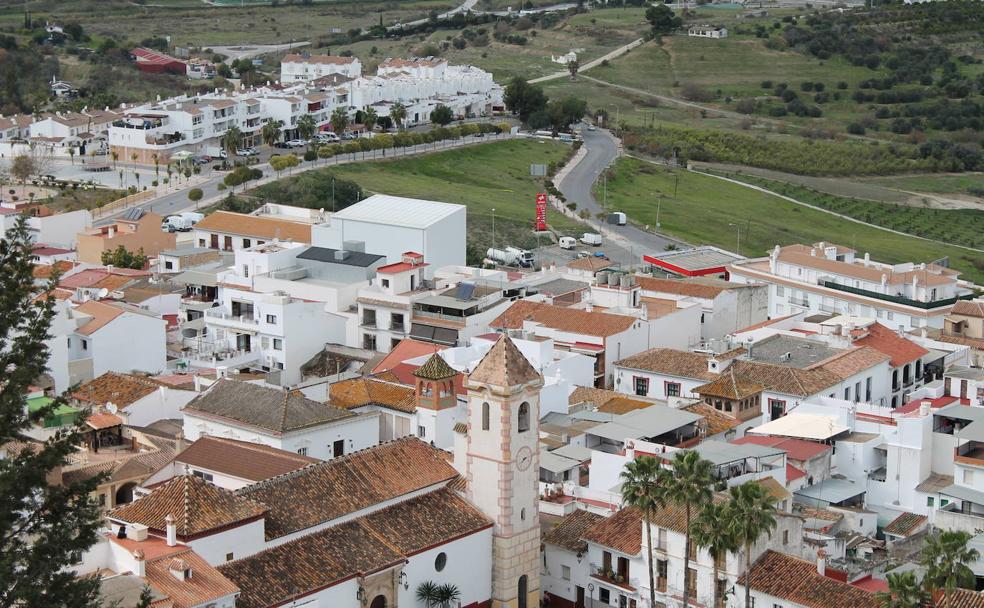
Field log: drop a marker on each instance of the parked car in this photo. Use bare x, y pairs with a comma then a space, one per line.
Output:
327, 138
281, 144
349, 135
246, 152
591, 127
297, 143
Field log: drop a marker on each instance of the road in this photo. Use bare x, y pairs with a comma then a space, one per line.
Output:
625, 242
248, 51
593, 63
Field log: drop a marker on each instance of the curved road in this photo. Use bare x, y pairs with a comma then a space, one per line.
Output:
602, 149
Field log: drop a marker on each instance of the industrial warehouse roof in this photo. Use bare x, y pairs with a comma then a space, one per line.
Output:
398, 211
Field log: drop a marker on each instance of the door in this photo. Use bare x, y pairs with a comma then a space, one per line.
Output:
243, 343
227, 243
579, 602
338, 448
214, 241
522, 592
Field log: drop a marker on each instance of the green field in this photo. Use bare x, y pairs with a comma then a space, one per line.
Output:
489, 176
943, 184
707, 210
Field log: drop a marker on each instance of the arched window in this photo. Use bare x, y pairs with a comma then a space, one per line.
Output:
522, 590
485, 416
524, 417
440, 561
378, 602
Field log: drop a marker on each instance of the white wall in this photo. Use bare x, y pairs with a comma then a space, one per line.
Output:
132, 341
680, 329
242, 541
162, 403
62, 229
469, 567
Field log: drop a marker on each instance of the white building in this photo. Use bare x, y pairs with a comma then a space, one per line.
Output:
303, 67
707, 31
386, 305
136, 400
725, 307
59, 230
393, 225
828, 278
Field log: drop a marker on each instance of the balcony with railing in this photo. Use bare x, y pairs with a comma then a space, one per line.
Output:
799, 301
612, 578
426, 315
970, 453
893, 299
218, 316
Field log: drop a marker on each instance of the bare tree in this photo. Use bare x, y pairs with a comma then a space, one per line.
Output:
22, 168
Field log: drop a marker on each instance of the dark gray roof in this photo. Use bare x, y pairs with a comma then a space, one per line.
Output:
559, 287
352, 258
264, 407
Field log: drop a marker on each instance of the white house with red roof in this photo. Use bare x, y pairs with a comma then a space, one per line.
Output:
386, 305
300, 67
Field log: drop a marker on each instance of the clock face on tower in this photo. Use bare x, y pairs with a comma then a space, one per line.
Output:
524, 457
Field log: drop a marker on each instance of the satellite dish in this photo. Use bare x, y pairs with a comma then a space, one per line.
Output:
102, 293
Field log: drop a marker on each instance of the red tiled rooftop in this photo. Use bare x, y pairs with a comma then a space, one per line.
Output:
797, 449
792, 473
913, 406
884, 340
399, 267
871, 584
408, 348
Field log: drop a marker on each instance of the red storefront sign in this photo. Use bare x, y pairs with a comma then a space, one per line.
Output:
541, 212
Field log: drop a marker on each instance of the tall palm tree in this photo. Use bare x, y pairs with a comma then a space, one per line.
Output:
945, 557
710, 530
369, 117
752, 515
232, 140
271, 131
643, 487
306, 127
339, 120
398, 113
690, 488
904, 591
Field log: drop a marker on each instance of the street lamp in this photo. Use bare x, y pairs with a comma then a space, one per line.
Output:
493, 227
738, 241
659, 203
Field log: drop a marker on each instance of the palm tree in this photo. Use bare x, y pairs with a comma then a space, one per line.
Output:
752, 514
339, 120
271, 131
306, 127
690, 488
116, 157
398, 112
232, 140
644, 487
710, 530
369, 117
904, 591
945, 557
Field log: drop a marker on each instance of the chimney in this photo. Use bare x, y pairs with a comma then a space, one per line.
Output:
179, 443
140, 567
867, 259
172, 531
924, 408
180, 569
713, 365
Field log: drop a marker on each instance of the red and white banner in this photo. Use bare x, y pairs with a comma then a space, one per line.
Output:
541, 212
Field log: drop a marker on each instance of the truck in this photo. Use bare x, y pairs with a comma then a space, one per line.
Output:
176, 223
617, 218
591, 238
192, 216
215, 152
511, 256
567, 242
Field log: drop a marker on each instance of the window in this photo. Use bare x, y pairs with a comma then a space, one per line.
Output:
168, 265
201, 475
338, 448
386, 282
229, 557
929, 501
785, 537
847, 394
69, 342
278, 344
247, 244
440, 561
944, 502
85, 344
271, 319
565, 573
485, 416
421, 431
968, 477
641, 385
780, 291
672, 389
604, 596
889, 315
302, 451
523, 423
867, 389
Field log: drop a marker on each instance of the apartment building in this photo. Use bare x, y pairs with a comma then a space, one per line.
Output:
725, 306
305, 66
965, 326
386, 305
829, 278
229, 231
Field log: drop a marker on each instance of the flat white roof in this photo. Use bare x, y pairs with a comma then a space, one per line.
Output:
398, 211
802, 426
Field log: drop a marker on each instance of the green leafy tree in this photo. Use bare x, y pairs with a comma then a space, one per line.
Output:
370, 117
524, 99
306, 127
339, 120
573, 66
121, 257
690, 488
326, 152
904, 591
710, 531
195, 195
753, 513
271, 131
44, 528
232, 140
662, 20
441, 115
945, 557
644, 483
398, 112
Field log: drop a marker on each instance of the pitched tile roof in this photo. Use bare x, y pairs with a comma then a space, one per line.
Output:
884, 340
699, 287
263, 407
205, 585
196, 505
609, 402
504, 366
256, 226
101, 315
408, 348
563, 318
796, 580
621, 532
796, 449
120, 389
134, 465
242, 459
787, 380
774, 489
670, 361
905, 524
716, 422
436, 368
568, 534
962, 598
44, 271
380, 390
383, 538
325, 491
590, 263
730, 385
853, 360
969, 308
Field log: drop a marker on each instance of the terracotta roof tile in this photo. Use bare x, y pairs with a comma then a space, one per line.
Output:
621, 532
568, 534
379, 390
361, 546
563, 318
504, 366
196, 505
328, 490
853, 360
100, 315
44, 271
682, 363
962, 598
715, 422
905, 524
255, 226
729, 385
796, 449
797, 580
590, 263
119, 389
436, 368
205, 585
969, 308
707, 289
242, 459
884, 340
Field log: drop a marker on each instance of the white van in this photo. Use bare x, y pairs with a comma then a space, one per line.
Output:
591, 238
567, 242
